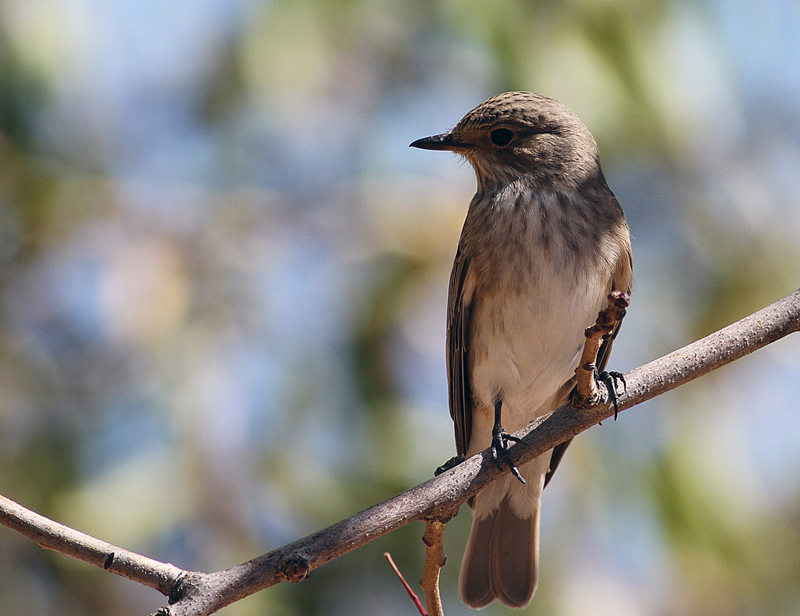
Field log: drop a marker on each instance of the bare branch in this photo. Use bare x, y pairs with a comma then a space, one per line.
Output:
198, 594
434, 561
48, 534
607, 320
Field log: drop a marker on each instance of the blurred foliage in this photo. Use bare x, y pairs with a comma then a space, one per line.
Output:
223, 281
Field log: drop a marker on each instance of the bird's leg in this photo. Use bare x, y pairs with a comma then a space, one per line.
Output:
500, 440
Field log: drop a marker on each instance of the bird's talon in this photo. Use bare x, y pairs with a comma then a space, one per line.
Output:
610, 379
451, 463
500, 454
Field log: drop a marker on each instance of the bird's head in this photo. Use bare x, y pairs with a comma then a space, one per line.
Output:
520, 135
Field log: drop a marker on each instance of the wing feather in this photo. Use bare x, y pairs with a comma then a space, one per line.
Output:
459, 309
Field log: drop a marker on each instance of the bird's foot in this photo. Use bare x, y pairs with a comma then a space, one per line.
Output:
500, 454
610, 380
451, 463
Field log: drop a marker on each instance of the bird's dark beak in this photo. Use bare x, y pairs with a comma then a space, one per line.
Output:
444, 141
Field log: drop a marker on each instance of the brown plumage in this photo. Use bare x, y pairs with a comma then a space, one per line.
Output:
543, 244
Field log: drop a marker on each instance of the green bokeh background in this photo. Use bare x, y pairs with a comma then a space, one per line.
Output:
223, 278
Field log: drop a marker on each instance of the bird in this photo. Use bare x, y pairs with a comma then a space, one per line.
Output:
543, 244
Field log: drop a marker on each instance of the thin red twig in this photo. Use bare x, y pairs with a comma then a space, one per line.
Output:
410, 592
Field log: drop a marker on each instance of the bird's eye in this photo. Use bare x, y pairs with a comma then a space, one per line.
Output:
501, 136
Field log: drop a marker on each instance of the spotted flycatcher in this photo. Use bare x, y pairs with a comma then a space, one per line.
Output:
544, 243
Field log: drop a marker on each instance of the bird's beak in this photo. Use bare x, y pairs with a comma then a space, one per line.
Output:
444, 141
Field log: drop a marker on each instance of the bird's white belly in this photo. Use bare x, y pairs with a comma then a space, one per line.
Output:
526, 345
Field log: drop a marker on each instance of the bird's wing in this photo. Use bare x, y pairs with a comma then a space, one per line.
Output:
459, 309
622, 279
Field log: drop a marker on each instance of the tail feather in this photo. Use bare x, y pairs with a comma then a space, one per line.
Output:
473, 581
514, 569
501, 560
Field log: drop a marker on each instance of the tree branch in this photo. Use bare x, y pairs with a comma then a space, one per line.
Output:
434, 561
51, 535
199, 594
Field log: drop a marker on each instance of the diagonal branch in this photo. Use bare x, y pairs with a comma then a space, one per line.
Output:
199, 594
51, 535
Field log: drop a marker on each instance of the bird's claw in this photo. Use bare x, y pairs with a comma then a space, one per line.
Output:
451, 463
500, 454
610, 379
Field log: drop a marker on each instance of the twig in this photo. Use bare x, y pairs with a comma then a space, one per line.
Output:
607, 320
197, 594
434, 561
408, 588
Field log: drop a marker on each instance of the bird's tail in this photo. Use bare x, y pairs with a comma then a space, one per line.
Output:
501, 560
